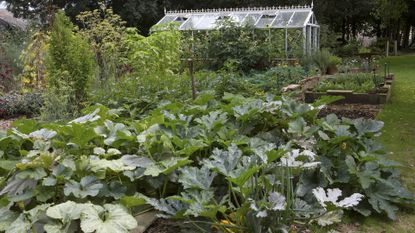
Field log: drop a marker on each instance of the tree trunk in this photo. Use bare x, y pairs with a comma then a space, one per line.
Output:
406, 35
413, 38
354, 29
344, 30
398, 33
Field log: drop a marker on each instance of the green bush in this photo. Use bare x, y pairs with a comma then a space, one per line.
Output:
14, 104
59, 101
361, 83
328, 38
256, 83
153, 64
150, 89
322, 60
249, 47
105, 31
334, 61
158, 53
70, 67
349, 49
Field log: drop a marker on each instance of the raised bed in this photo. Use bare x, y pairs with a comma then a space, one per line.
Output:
350, 97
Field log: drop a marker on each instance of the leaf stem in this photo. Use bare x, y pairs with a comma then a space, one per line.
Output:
233, 194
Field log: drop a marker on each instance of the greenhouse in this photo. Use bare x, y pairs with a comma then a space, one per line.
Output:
299, 21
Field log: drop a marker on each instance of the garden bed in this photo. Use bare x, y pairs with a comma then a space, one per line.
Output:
164, 226
381, 96
352, 111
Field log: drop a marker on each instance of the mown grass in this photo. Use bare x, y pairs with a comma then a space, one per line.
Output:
398, 138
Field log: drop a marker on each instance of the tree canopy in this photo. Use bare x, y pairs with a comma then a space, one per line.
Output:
384, 18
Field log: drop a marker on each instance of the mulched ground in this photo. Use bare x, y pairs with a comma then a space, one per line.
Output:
352, 111
169, 226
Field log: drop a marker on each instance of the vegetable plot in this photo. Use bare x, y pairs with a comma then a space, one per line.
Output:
236, 164
359, 83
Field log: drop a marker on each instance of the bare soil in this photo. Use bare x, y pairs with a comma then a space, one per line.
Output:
352, 111
164, 226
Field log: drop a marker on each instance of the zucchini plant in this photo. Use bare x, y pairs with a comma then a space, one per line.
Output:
231, 164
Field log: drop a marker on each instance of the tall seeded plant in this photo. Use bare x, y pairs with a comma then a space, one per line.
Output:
70, 65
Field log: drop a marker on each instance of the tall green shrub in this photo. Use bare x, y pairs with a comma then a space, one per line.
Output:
322, 60
158, 53
152, 66
249, 48
70, 66
105, 30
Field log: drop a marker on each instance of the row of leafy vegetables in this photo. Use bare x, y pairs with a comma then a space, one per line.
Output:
235, 165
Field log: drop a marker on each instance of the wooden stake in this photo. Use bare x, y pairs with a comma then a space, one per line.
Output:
387, 48
192, 78
396, 47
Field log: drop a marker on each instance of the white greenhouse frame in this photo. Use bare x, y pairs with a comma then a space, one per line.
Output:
263, 18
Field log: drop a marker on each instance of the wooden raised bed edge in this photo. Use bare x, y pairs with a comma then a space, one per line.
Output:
355, 98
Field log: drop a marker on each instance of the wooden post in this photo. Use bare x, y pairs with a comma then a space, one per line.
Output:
388, 70
387, 48
396, 47
286, 45
192, 78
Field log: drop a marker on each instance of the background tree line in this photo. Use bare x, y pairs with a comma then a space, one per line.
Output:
389, 19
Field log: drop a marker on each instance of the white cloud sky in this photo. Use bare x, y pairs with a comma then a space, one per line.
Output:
2, 5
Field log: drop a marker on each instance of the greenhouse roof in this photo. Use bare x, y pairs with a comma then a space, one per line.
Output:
259, 17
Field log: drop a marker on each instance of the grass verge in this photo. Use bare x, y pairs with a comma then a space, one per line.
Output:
398, 138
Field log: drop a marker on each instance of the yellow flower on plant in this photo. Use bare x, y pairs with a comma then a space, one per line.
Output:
227, 223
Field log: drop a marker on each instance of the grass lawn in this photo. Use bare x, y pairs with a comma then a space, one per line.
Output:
399, 138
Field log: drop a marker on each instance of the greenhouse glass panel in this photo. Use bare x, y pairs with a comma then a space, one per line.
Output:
222, 18
296, 26
168, 19
251, 19
282, 19
181, 19
238, 18
208, 22
299, 19
265, 21
191, 23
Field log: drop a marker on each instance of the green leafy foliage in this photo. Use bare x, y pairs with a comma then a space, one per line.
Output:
70, 67
107, 219
210, 159
359, 83
14, 104
246, 47
151, 71
255, 83
105, 31
88, 186
33, 59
